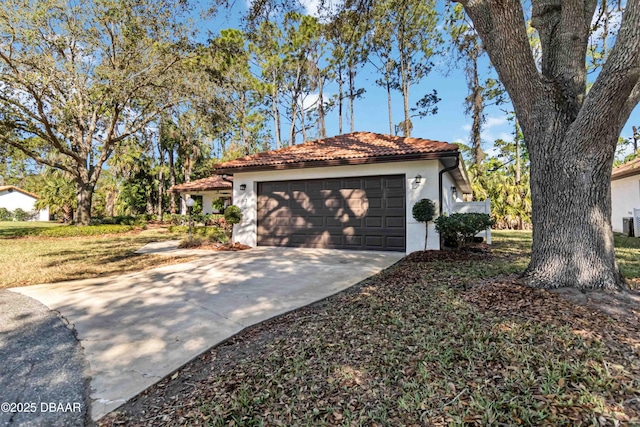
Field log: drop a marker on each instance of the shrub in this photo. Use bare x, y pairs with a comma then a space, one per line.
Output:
174, 219
21, 215
212, 234
424, 211
217, 205
5, 214
89, 230
138, 221
232, 214
459, 228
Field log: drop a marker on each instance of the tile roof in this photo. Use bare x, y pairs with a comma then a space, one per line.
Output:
14, 188
358, 145
628, 169
214, 182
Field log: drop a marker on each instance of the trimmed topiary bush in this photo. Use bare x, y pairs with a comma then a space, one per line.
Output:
459, 228
232, 214
424, 211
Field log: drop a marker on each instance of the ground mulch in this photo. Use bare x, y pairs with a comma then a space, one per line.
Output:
356, 358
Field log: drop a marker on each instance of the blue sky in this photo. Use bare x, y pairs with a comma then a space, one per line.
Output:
450, 124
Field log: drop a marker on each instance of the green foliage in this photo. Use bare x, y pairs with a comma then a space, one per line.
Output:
459, 228
57, 192
424, 210
218, 205
138, 221
74, 231
138, 56
232, 214
5, 214
212, 234
21, 215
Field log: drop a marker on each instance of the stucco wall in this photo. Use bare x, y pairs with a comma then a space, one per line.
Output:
246, 231
15, 199
625, 195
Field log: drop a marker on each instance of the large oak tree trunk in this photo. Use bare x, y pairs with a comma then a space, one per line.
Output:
83, 211
571, 135
571, 212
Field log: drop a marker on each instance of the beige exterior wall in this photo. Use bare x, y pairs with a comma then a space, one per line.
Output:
246, 231
625, 196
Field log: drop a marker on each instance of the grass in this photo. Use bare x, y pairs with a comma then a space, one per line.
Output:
35, 259
438, 339
9, 229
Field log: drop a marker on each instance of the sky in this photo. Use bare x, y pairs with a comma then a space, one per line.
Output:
450, 124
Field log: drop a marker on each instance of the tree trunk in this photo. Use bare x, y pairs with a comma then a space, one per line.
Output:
405, 98
571, 213
276, 115
110, 202
322, 129
352, 95
340, 97
389, 105
477, 107
160, 182
303, 124
172, 181
571, 134
85, 194
517, 141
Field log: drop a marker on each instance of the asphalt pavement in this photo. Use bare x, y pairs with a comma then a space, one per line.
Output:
43, 372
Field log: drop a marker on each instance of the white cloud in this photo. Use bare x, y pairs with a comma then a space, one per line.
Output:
310, 101
494, 121
494, 127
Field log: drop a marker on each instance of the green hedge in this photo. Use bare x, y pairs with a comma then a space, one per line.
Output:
214, 234
89, 230
459, 228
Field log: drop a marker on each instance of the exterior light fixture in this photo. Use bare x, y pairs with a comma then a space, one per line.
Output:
418, 179
454, 192
243, 187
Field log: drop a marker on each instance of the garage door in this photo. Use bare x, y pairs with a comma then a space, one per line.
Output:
344, 213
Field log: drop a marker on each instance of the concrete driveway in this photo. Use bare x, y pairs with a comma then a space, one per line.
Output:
137, 328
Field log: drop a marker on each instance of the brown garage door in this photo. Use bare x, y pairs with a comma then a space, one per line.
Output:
347, 213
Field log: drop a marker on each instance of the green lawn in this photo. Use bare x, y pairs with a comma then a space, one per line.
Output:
16, 228
438, 339
31, 260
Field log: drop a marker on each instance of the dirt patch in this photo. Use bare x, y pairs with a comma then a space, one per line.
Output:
620, 305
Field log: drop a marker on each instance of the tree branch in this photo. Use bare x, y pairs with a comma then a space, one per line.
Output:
35, 156
564, 28
615, 92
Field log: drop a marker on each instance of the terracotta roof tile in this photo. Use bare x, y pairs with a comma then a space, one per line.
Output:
214, 182
14, 188
628, 169
350, 146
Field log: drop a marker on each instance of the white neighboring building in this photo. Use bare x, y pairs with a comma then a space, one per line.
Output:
12, 198
625, 194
